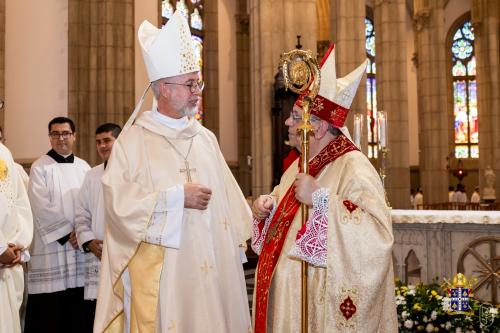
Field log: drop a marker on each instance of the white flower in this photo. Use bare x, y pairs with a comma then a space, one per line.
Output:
446, 304
404, 314
400, 300
408, 323
425, 319
412, 292
493, 312
429, 328
434, 315
448, 325
458, 330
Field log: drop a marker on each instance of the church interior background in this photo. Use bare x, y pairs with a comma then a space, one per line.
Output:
434, 69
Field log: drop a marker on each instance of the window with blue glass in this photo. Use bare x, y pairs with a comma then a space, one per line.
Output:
465, 115
371, 89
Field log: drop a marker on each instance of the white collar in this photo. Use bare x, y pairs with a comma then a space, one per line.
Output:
171, 122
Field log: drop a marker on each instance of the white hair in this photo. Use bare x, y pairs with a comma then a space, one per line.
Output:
155, 86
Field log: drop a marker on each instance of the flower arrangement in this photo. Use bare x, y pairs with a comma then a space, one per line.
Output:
426, 308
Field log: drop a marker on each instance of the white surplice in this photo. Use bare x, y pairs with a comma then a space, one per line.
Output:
89, 225
16, 227
53, 192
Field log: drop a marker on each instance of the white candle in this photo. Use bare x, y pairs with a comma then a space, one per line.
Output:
357, 131
382, 128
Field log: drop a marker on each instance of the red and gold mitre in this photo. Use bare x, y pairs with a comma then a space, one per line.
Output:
335, 96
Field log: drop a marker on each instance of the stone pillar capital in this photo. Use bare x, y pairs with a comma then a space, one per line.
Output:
421, 19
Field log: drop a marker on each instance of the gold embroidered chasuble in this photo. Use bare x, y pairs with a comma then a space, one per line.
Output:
199, 287
355, 292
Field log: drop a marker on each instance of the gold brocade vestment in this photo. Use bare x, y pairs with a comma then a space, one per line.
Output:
355, 292
199, 287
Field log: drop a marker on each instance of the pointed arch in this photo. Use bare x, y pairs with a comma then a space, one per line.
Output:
412, 268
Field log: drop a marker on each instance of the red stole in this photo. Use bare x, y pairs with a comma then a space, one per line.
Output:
280, 224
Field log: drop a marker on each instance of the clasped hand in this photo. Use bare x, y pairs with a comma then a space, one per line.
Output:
196, 196
11, 256
262, 207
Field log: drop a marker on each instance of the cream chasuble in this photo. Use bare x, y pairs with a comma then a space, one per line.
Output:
198, 287
355, 292
16, 227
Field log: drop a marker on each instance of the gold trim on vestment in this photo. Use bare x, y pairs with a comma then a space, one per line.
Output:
148, 262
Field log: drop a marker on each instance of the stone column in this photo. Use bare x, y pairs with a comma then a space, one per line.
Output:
101, 67
486, 21
347, 30
2, 61
274, 25
211, 69
434, 116
392, 95
243, 98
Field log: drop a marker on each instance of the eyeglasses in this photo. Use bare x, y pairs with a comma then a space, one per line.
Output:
57, 135
298, 118
192, 85
295, 117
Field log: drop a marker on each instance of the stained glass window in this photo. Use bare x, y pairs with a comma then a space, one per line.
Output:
192, 10
464, 92
371, 89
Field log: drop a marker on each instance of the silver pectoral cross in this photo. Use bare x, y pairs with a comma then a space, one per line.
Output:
187, 170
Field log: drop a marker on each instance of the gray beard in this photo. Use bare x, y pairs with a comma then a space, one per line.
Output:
190, 112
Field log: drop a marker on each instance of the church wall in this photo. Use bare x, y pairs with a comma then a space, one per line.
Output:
2, 58
453, 10
143, 10
228, 125
36, 73
411, 74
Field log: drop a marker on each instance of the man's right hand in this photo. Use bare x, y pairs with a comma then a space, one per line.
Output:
11, 256
95, 246
7, 256
262, 207
196, 196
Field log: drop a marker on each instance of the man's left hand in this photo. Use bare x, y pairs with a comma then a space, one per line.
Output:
305, 185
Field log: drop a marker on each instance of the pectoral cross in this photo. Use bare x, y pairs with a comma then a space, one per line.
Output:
187, 170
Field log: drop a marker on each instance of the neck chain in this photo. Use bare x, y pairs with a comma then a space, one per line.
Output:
178, 152
186, 169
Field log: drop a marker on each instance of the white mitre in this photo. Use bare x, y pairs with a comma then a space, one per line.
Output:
167, 52
348, 85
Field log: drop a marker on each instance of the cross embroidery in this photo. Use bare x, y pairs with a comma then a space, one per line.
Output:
187, 170
206, 268
225, 223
